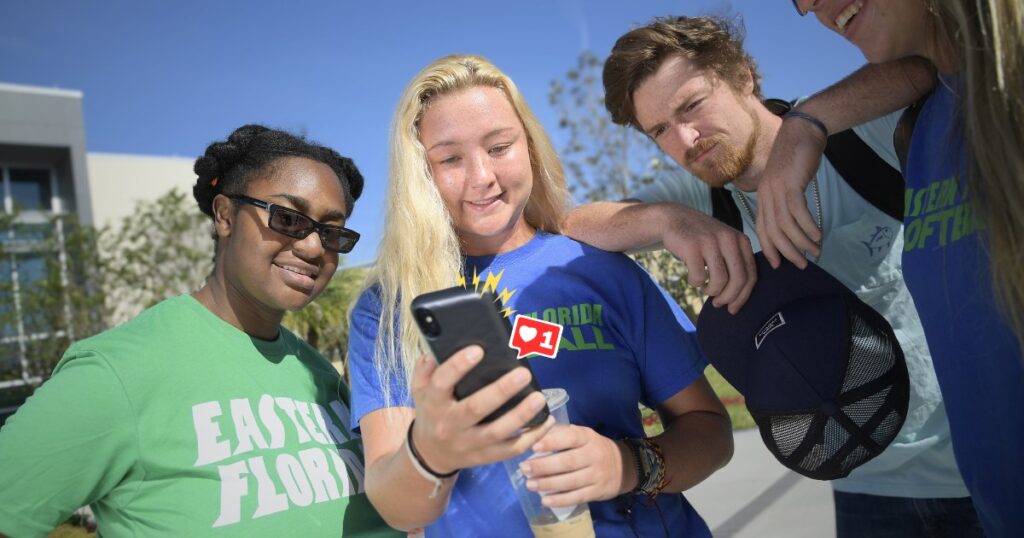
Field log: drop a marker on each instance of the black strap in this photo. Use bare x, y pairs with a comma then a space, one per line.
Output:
864, 171
867, 173
723, 208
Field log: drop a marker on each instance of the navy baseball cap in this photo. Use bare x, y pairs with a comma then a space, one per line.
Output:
821, 372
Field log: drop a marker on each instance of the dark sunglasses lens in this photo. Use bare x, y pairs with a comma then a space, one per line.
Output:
290, 223
338, 239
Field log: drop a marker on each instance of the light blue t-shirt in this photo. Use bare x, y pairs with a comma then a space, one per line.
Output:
862, 248
977, 357
624, 341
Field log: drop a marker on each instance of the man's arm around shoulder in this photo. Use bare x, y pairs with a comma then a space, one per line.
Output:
717, 257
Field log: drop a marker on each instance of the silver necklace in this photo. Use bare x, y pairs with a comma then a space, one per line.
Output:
817, 206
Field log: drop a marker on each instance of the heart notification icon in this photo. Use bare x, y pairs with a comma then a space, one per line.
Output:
530, 335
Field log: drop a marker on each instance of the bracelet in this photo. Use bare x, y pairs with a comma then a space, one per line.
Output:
662, 479
422, 467
650, 467
807, 117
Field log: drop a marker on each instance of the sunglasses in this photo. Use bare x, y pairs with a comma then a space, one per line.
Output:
294, 224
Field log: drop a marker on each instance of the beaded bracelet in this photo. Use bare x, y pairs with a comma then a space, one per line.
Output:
809, 118
650, 467
422, 467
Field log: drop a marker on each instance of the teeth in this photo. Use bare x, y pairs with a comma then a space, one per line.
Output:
296, 270
848, 14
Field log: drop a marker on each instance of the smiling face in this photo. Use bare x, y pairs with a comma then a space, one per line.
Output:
269, 271
478, 155
883, 30
699, 120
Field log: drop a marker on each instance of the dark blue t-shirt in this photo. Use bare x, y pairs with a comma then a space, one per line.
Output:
976, 356
624, 341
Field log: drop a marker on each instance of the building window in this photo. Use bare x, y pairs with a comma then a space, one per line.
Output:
30, 203
30, 189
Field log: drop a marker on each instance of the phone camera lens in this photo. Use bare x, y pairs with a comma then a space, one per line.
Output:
428, 324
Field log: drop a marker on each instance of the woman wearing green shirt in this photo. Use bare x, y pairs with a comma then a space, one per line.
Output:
203, 415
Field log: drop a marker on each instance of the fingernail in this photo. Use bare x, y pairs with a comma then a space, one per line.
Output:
531, 485
538, 402
521, 376
475, 354
525, 468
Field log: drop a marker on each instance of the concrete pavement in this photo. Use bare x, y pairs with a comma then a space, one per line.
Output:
755, 496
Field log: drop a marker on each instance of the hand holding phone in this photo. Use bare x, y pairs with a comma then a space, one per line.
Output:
455, 318
449, 434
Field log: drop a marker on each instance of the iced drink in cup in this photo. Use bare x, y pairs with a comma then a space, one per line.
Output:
567, 522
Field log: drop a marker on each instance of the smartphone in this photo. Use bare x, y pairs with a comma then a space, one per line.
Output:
454, 318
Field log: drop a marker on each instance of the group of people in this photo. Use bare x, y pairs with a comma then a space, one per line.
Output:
204, 416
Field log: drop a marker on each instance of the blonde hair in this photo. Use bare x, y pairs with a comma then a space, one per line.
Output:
988, 36
420, 250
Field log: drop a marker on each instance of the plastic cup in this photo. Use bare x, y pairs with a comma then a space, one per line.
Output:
567, 522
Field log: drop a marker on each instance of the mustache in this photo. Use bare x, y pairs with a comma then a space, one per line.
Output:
701, 146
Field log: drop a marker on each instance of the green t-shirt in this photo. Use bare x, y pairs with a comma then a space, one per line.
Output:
177, 423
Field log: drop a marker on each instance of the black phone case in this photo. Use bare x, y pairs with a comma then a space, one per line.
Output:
467, 318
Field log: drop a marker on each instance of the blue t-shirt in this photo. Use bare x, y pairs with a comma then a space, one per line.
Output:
976, 356
624, 341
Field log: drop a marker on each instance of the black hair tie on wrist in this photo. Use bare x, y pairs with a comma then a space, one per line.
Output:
419, 459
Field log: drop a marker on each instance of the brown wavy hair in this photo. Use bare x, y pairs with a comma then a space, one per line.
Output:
711, 43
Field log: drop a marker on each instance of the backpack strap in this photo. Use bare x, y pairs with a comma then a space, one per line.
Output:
867, 173
723, 208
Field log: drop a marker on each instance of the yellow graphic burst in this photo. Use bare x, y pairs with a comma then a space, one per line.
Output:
491, 283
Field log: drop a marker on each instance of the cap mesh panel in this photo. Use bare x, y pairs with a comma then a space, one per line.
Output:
855, 458
870, 356
862, 410
887, 429
788, 431
833, 438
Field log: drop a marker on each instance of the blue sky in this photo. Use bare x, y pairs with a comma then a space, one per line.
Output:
167, 78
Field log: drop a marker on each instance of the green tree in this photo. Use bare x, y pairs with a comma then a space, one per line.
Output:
605, 161
324, 322
68, 303
50, 296
164, 248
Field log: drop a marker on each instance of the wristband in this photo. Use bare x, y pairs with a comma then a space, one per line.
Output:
650, 467
422, 467
807, 117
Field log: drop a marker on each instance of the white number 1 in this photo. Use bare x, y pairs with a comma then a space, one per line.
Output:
547, 341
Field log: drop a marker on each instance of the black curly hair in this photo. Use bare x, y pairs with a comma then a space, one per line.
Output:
227, 166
